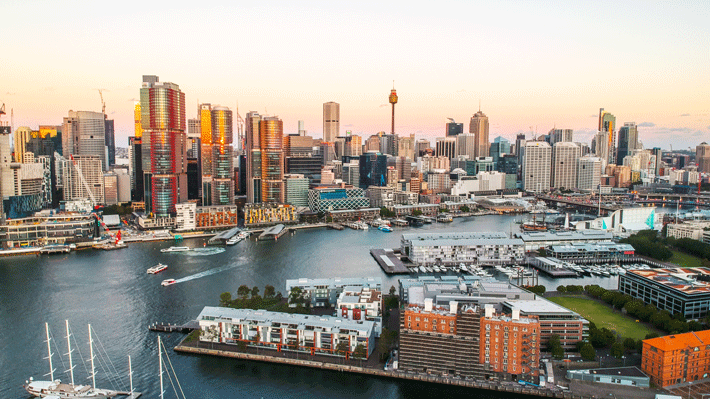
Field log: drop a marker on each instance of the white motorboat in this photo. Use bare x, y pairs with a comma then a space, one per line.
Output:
168, 282
176, 249
233, 240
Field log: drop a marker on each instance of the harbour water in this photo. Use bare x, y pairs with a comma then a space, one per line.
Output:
112, 291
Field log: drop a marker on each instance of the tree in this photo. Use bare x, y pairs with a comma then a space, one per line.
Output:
542, 252
417, 212
465, 209
617, 350
225, 299
393, 290
587, 352
360, 352
629, 343
296, 296
243, 291
561, 289
269, 291
558, 353
255, 292
342, 348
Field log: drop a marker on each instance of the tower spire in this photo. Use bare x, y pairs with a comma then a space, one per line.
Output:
479, 105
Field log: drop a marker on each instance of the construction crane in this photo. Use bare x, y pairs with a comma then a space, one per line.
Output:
2, 109
103, 104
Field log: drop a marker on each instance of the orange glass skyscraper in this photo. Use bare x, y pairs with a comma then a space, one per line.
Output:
272, 159
164, 145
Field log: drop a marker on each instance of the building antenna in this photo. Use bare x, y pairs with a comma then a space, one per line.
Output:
479, 105
392, 84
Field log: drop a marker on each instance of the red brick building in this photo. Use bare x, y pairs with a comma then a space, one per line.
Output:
678, 358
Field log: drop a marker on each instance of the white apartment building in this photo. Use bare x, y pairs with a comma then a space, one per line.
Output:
483, 181
466, 144
83, 134
537, 161
185, 216
468, 248
588, 173
274, 330
564, 164
693, 230
439, 181
428, 163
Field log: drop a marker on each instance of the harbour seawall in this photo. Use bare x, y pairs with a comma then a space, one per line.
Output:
511, 388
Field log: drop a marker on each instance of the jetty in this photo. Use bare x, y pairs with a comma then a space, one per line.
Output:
170, 328
222, 237
389, 261
273, 233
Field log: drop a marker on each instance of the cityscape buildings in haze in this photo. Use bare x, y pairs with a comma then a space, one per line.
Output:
479, 127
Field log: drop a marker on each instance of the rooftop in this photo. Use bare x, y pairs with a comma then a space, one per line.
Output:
686, 280
565, 235
453, 236
470, 242
265, 317
538, 306
334, 282
617, 371
680, 341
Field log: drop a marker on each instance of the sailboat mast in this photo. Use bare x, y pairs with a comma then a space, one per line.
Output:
49, 352
71, 364
160, 362
91, 351
130, 375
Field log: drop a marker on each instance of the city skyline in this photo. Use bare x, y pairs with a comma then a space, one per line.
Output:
534, 67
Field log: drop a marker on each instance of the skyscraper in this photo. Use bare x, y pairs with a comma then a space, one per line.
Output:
331, 121
453, 128
272, 159
373, 170
702, 157
164, 145
253, 152
588, 173
607, 124
222, 156
446, 147
83, 133
479, 127
536, 166
110, 142
628, 141
564, 165
499, 146
560, 135
466, 145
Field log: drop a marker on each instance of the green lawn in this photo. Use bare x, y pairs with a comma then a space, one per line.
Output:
603, 316
685, 260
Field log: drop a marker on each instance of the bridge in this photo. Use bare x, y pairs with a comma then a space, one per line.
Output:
581, 203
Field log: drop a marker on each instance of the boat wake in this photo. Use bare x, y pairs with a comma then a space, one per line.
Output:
206, 273
205, 251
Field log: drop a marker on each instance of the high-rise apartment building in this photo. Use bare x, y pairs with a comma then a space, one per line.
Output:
537, 158
628, 141
110, 141
83, 133
479, 127
331, 121
272, 159
353, 145
446, 146
607, 124
564, 165
588, 173
164, 148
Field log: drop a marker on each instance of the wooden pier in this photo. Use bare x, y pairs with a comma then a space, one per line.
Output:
170, 328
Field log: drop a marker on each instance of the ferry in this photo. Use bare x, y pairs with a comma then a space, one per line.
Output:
175, 249
157, 268
444, 218
385, 228
168, 282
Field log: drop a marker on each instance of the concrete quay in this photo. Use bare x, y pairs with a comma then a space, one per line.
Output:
375, 372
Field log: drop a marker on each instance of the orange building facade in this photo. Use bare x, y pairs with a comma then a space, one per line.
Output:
438, 320
674, 359
510, 344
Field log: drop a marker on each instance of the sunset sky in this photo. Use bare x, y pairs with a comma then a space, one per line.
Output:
532, 65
